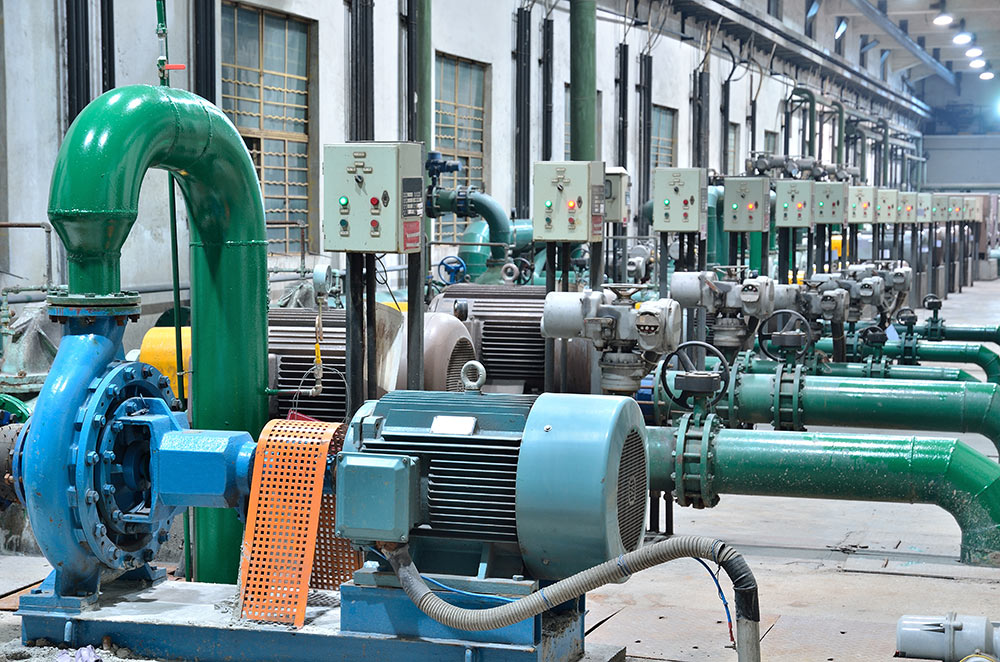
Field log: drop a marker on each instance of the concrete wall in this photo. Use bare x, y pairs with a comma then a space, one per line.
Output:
32, 80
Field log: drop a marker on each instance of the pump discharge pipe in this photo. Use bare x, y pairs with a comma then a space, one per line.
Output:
701, 462
933, 352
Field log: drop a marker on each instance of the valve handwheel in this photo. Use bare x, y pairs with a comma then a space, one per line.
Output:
872, 336
452, 269
691, 382
931, 302
785, 328
906, 316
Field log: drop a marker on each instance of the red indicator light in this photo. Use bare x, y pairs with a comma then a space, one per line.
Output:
864, 206
909, 208
374, 223
374, 201
572, 204
572, 220
799, 205
750, 206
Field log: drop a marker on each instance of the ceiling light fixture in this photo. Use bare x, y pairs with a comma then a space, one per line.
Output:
975, 51
978, 63
986, 75
943, 18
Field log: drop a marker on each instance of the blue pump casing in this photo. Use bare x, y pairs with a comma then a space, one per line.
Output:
541, 487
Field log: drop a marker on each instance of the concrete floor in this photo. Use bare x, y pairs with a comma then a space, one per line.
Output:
834, 576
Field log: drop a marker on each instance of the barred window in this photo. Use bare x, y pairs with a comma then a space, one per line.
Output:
265, 80
663, 143
733, 166
460, 129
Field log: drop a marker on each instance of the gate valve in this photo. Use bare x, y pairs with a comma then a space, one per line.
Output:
908, 318
789, 332
932, 302
695, 389
874, 338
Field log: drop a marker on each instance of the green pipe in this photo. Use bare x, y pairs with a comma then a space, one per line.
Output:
425, 87
934, 351
864, 158
583, 80
480, 204
884, 178
93, 204
841, 124
896, 469
522, 231
646, 213
865, 371
871, 403
981, 333
810, 98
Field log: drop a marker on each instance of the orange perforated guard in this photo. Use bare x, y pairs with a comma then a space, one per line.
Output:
335, 560
280, 538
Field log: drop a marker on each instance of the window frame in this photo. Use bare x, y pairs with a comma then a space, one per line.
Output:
660, 145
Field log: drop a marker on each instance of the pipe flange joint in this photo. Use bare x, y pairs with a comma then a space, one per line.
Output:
462, 202
103, 463
908, 350
121, 306
786, 413
694, 461
17, 461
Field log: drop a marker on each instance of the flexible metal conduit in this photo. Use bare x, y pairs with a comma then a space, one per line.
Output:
483, 205
614, 570
938, 351
93, 204
900, 469
876, 403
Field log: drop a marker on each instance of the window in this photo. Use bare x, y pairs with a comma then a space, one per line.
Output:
663, 138
598, 137
774, 8
733, 149
459, 129
771, 142
812, 9
838, 36
265, 81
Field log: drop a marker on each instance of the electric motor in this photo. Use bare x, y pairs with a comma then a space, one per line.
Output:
549, 485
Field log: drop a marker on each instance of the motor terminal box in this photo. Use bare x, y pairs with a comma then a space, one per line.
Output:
939, 207
747, 204
794, 203
830, 201
907, 207
680, 200
861, 204
887, 205
956, 208
373, 197
925, 203
617, 195
568, 201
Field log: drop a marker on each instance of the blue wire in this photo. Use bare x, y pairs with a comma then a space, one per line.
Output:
454, 590
722, 596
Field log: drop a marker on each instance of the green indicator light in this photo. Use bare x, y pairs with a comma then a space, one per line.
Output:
820, 203
343, 222
666, 202
878, 207
735, 206
786, 205
343, 201
548, 204
899, 208
933, 208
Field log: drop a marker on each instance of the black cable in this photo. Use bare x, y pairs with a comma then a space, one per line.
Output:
385, 279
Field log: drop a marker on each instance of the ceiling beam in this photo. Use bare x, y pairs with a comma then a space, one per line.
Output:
885, 24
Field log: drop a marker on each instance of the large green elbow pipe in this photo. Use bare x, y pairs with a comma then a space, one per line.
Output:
839, 107
871, 403
963, 332
938, 352
810, 98
93, 204
884, 125
898, 469
446, 201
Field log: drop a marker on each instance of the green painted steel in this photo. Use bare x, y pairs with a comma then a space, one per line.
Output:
19, 411
874, 403
884, 170
902, 469
446, 201
809, 98
899, 469
962, 332
583, 80
841, 123
934, 351
866, 371
93, 204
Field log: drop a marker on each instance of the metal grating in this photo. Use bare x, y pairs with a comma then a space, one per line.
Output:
512, 346
335, 560
462, 353
280, 539
632, 483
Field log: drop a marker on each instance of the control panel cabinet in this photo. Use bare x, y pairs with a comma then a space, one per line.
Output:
925, 206
956, 208
794, 203
861, 204
680, 200
373, 197
907, 207
830, 201
617, 195
939, 207
568, 202
747, 204
887, 206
